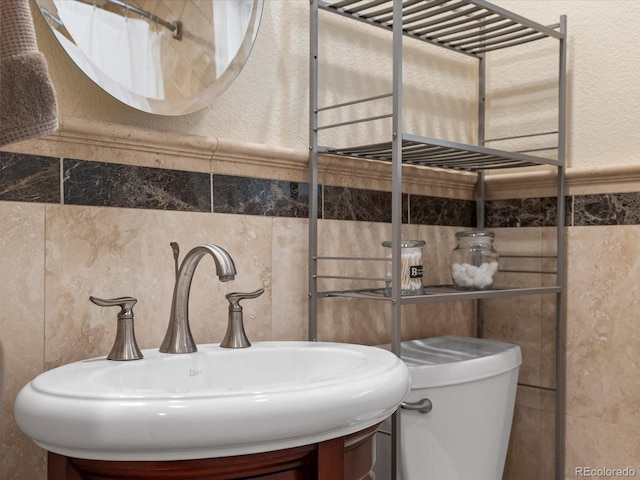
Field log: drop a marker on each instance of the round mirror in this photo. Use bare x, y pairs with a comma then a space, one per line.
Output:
160, 56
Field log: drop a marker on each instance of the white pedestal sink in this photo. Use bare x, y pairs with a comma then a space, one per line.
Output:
213, 403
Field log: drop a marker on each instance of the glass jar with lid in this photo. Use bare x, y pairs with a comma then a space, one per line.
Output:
474, 261
411, 269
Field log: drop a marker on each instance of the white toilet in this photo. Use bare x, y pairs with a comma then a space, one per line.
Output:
471, 384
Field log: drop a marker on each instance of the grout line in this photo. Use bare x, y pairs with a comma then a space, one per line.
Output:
572, 211
44, 283
211, 191
61, 180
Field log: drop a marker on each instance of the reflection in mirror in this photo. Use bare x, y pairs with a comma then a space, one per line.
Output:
160, 56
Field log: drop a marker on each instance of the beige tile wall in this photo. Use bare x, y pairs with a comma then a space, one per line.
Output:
603, 353
528, 321
603, 362
21, 330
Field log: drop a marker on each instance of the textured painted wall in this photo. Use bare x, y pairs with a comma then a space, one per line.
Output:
603, 93
273, 87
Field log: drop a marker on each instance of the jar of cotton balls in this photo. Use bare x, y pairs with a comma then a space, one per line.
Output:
474, 261
411, 268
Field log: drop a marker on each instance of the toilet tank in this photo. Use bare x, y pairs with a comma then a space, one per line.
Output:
472, 385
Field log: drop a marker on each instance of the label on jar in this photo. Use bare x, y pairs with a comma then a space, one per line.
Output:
415, 271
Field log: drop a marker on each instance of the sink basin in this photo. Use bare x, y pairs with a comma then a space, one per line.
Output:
213, 403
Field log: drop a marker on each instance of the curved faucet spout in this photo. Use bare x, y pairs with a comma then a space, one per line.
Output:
178, 338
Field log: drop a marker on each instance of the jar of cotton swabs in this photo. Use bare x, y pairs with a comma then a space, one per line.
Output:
474, 261
411, 269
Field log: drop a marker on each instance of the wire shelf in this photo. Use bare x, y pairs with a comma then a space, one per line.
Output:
431, 152
439, 293
472, 27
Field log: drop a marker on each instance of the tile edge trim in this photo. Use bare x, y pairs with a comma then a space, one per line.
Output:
239, 158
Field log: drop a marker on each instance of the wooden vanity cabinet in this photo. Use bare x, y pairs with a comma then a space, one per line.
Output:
344, 458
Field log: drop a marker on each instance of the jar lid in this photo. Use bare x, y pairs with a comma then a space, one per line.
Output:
406, 243
479, 234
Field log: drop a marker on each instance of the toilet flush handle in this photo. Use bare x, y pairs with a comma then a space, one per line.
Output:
422, 406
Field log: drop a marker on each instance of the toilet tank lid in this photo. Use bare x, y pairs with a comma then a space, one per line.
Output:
440, 361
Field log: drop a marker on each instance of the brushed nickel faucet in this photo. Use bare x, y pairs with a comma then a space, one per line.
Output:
178, 338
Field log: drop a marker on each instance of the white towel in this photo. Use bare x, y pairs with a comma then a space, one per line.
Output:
28, 106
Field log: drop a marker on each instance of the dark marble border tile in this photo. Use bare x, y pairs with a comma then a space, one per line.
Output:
355, 204
257, 196
29, 178
526, 212
607, 209
128, 186
33, 178
426, 210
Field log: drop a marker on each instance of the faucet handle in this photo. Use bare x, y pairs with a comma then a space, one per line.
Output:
125, 303
235, 336
125, 346
235, 297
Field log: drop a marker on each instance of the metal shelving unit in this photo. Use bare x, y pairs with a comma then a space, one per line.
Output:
472, 28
